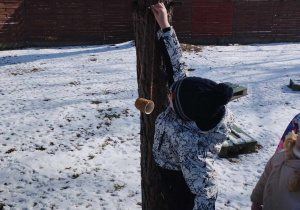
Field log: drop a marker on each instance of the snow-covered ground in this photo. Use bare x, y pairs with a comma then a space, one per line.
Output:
69, 132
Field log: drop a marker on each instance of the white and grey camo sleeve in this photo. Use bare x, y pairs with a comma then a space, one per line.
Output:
175, 53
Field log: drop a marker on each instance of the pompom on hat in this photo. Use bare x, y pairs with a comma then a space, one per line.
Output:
199, 99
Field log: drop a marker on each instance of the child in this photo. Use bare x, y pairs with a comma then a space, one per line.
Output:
189, 134
293, 126
279, 186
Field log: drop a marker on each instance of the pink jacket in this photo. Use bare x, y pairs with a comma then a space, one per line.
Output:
271, 190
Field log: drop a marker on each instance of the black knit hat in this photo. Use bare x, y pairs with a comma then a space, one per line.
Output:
199, 99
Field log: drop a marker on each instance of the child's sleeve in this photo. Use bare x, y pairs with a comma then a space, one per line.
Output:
199, 174
258, 191
172, 55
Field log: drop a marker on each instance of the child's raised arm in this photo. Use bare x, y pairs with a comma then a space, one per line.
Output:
170, 47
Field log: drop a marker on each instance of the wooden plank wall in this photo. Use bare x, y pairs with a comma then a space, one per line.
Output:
79, 20
237, 21
212, 19
271, 19
118, 20
182, 19
41, 20
12, 21
111, 20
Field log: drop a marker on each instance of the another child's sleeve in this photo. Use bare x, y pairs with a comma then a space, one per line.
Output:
258, 191
172, 54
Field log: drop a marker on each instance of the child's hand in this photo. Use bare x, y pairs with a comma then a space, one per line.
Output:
256, 207
160, 12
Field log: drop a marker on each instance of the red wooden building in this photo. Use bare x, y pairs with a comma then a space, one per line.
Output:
68, 22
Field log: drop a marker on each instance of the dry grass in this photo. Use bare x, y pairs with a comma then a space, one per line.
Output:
25, 71
10, 151
190, 48
119, 186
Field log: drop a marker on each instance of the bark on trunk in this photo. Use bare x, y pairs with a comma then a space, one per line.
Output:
152, 84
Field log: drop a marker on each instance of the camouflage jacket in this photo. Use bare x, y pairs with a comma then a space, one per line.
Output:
180, 145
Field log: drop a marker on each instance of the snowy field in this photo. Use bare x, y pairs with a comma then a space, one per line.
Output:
69, 132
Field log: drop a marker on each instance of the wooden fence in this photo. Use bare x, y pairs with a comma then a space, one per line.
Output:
12, 21
64, 22
223, 22
79, 20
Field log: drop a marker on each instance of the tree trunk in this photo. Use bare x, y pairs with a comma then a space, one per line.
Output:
152, 84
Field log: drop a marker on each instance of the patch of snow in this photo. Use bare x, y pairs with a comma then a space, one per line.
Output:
70, 132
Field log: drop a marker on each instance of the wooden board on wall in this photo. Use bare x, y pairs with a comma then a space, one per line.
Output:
253, 19
118, 20
267, 19
212, 19
80, 20
286, 21
182, 19
12, 21
41, 20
